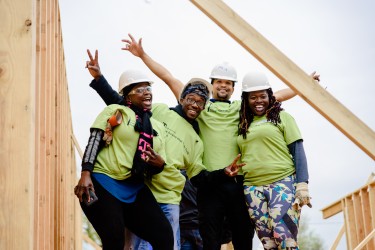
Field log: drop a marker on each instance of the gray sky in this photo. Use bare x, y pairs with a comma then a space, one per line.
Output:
335, 38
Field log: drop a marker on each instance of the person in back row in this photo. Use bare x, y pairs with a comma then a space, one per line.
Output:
276, 175
184, 148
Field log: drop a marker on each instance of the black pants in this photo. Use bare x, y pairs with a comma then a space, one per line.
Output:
226, 200
109, 217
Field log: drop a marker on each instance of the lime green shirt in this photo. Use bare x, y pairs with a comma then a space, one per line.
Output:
218, 124
184, 150
116, 159
265, 150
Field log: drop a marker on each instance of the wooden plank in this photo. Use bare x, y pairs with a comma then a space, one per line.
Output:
332, 209
358, 216
272, 58
350, 223
366, 214
367, 239
338, 238
371, 191
17, 121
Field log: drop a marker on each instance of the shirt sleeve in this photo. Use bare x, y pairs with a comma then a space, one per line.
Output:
106, 92
92, 149
300, 162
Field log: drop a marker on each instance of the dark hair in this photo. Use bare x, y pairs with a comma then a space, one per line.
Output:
247, 116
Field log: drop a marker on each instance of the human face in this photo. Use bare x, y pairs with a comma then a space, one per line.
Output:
141, 96
222, 89
258, 102
192, 105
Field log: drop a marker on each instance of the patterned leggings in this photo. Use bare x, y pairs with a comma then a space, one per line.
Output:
270, 208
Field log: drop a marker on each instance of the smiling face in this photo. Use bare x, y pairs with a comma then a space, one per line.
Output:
192, 105
222, 89
141, 96
259, 102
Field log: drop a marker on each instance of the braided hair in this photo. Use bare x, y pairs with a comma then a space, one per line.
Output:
247, 116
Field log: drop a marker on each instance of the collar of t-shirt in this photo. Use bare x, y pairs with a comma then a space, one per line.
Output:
214, 100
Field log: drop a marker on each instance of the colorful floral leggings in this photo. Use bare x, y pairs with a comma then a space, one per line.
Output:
270, 208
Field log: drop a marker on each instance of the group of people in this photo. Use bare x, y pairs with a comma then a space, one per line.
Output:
245, 160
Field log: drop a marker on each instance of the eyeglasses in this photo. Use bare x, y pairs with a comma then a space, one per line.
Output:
140, 90
200, 104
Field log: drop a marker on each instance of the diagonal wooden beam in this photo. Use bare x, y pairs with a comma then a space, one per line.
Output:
280, 65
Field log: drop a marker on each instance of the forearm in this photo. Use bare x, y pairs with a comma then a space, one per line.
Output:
106, 92
92, 150
300, 162
160, 71
284, 94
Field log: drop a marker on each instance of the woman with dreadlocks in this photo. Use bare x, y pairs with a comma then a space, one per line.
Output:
276, 174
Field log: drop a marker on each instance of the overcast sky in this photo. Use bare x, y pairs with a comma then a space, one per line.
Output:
335, 38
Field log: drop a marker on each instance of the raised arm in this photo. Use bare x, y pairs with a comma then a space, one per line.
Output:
159, 70
288, 93
99, 83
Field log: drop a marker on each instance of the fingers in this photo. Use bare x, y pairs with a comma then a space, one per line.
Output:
236, 159
131, 37
96, 56
151, 150
90, 56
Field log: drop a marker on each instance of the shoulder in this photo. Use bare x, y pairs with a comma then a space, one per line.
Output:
158, 107
285, 115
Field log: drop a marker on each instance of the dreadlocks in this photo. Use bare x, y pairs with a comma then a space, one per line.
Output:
247, 117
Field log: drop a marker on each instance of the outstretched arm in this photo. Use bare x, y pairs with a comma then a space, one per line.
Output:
159, 70
288, 93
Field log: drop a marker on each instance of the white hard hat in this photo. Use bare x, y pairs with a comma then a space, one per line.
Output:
130, 77
254, 81
198, 81
224, 71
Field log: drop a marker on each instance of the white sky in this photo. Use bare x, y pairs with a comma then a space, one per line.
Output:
335, 38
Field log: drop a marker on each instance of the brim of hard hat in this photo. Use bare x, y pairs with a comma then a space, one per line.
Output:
257, 88
193, 81
223, 78
196, 81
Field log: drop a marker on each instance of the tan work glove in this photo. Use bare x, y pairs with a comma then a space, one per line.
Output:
112, 122
302, 195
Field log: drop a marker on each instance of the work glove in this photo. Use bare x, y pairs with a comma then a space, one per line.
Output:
108, 134
302, 196
112, 122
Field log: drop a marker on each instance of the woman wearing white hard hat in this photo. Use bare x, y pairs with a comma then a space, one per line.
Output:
126, 146
275, 174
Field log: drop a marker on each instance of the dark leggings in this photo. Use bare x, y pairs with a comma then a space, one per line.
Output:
225, 201
109, 217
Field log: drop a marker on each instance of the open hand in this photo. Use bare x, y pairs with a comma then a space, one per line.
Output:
133, 46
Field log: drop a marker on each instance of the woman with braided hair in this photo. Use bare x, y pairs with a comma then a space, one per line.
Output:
275, 174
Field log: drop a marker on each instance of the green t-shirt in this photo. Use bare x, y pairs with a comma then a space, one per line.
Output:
218, 124
265, 150
116, 159
184, 150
